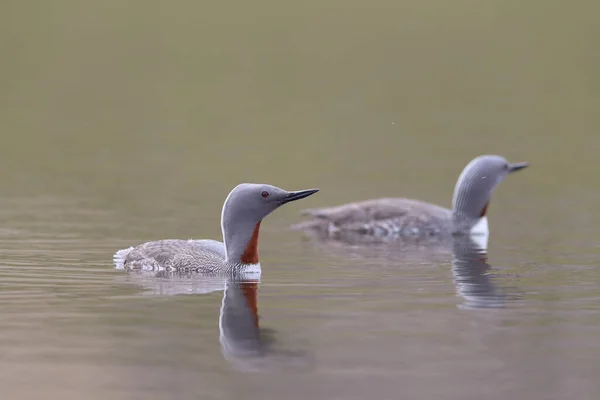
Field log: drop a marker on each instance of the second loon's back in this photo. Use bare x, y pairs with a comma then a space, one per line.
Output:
384, 217
174, 254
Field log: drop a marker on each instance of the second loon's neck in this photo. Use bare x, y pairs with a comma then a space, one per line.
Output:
469, 212
470, 201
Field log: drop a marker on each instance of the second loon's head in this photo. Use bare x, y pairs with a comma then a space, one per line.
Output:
475, 186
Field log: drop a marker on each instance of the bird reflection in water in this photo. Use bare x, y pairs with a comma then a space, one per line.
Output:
163, 283
244, 343
240, 333
472, 276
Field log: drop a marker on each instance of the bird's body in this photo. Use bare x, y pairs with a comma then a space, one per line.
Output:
385, 217
174, 255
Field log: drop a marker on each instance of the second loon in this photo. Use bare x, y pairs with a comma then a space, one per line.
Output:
403, 217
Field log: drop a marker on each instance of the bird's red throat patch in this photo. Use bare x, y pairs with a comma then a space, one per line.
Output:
484, 210
250, 255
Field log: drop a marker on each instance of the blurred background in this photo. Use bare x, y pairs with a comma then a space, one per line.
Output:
123, 122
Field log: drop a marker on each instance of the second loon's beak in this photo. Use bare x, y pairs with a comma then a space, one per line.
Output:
517, 166
298, 195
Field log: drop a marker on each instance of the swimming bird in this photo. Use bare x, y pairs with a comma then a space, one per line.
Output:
394, 218
243, 211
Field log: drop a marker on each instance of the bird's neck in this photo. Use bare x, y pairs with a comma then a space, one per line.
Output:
241, 243
469, 204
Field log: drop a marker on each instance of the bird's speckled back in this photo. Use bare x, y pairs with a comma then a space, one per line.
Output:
177, 255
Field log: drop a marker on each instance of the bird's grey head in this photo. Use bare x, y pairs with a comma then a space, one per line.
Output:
245, 207
475, 186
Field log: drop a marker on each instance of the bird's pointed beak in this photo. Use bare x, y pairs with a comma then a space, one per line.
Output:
292, 196
517, 166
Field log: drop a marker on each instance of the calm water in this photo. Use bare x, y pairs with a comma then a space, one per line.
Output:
122, 123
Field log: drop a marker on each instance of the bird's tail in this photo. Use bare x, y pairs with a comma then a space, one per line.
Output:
120, 257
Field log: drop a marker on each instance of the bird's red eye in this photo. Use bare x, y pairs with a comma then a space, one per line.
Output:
265, 194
